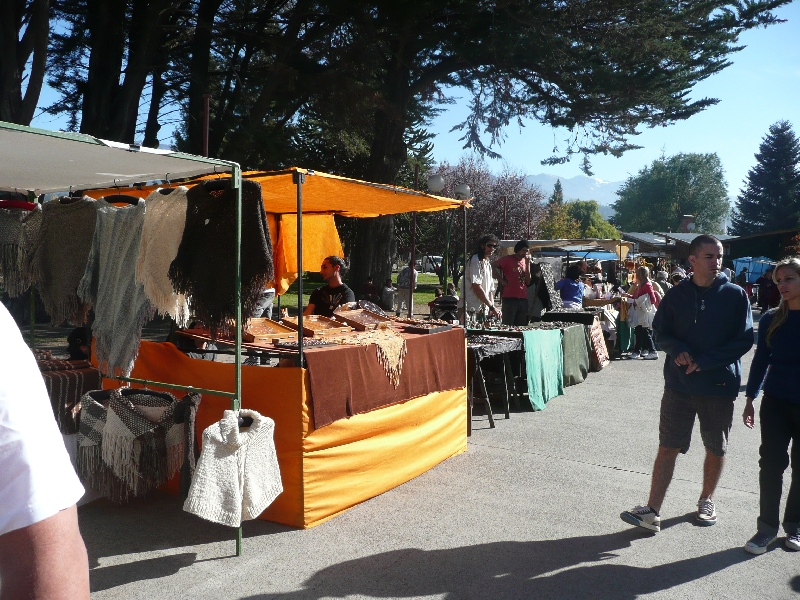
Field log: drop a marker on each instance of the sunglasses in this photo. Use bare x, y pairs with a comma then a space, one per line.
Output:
491, 245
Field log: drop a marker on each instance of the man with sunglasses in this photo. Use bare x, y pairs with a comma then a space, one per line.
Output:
479, 297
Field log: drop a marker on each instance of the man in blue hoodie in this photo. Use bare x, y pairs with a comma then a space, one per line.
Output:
704, 324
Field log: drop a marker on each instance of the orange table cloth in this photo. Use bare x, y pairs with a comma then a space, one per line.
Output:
329, 470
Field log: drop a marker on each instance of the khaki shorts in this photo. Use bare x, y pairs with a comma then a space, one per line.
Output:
678, 411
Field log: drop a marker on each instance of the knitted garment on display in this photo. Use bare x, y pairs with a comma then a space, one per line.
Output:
390, 346
186, 413
164, 221
66, 383
237, 476
204, 268
17, 230
549, 281
129, 444
57, 260
109, 284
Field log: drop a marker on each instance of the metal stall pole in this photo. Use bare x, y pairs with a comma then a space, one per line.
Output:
413, 260
299, 179
464, 276
236, 401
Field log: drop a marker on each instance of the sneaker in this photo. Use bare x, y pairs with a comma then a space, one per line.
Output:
706, 513
642, 516
793, 541
759, 542
633, 355
650, 356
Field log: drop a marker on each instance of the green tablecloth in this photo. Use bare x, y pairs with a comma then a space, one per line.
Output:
576, 356
625, 339
544, 361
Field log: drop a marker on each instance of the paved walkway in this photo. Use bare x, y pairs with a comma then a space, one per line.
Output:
530, 511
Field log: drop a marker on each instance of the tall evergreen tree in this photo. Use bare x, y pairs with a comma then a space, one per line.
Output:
771, 199
557, 197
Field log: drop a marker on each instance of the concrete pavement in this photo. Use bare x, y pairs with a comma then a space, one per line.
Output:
530, 511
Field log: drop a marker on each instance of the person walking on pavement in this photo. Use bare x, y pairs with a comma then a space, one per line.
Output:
704, 325
778, 350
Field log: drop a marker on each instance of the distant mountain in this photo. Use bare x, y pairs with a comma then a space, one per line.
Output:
581, 187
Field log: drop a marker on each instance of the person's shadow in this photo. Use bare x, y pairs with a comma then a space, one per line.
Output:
575, 567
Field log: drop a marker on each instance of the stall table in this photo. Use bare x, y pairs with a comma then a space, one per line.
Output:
484, 346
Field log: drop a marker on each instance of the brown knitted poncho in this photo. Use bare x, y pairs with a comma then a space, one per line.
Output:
204, 267
57, 260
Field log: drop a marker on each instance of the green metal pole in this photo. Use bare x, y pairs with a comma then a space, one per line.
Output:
299, 180
236, 402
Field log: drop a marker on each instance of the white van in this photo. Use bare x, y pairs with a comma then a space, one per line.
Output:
431, 264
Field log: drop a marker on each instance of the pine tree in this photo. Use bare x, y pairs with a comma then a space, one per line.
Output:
557, 197
771, 199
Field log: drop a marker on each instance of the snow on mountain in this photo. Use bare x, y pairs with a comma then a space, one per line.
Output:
581, 187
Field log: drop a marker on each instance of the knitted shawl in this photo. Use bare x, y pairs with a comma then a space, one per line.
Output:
550, 284
109, 284
161, 235
57, 259
390, 349
204, 268
18, 228
133, 445
237, 475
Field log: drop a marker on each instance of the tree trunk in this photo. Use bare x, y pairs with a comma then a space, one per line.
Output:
199, 79
152, 126
16, 53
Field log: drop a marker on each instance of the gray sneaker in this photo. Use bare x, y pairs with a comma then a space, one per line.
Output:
633, 355
793, 541
650, 356
759, 542
706, 512
642, 516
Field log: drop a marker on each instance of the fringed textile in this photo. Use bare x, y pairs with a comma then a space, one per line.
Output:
58, 257
186, 413
66, 384
164, 221
18, 229
390, 346
204, 268
109, 284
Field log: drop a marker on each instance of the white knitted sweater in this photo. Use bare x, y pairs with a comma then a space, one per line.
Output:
161, 235
237, 476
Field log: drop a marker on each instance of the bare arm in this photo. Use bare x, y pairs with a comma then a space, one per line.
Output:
309, 310
45, 560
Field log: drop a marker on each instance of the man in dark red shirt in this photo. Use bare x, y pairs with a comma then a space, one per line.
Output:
516, 270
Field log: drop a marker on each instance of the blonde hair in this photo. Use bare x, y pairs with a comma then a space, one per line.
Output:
642, 275
782, 312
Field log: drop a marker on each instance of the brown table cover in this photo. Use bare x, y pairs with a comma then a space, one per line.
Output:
347, 380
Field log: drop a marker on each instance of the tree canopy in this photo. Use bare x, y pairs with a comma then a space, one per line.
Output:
660, 194
770, 200
591, 223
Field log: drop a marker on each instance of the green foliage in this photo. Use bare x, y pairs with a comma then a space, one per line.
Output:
590, 221
771, 199
557, 197
558, 224
660, 194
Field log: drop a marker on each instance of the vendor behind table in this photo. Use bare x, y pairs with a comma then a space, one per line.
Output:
334, 293
479, 298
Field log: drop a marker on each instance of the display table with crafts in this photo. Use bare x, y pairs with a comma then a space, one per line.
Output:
343, 432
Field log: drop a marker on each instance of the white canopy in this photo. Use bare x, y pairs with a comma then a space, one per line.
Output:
41, 161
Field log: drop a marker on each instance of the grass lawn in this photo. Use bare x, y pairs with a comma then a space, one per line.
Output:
426, 286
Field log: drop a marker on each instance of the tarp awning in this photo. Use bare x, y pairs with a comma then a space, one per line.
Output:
574, 246
40, 161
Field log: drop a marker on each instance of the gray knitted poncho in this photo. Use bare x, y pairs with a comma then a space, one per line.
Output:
57, 259
18, 229
109, 284
161, 235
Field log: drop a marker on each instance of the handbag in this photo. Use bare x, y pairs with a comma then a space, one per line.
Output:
645, 310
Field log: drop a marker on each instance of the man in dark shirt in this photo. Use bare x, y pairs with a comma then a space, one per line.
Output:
334, 293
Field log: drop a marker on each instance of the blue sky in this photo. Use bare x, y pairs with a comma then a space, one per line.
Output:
762, 86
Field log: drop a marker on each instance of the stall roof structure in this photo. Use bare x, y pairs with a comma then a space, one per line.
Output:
686, 238
41, 161
574, 246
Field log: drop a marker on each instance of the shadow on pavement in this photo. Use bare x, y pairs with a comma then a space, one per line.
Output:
156, 522
543, 569
104, 578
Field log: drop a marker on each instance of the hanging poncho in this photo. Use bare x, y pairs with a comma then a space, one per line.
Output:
205, 267
18, 228
129, 444
550, 284
57, 259
164, 221
109, 284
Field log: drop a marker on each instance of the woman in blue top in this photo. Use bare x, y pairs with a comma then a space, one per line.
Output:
571, 288
779, 349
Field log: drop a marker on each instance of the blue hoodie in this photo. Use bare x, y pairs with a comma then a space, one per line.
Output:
715, 326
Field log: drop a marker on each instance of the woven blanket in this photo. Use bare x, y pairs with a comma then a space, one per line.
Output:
57, 259
128, 444
109, 284
62, 365
549, 281
164, 221
390, 348
204, 268
18, 229
66, 388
